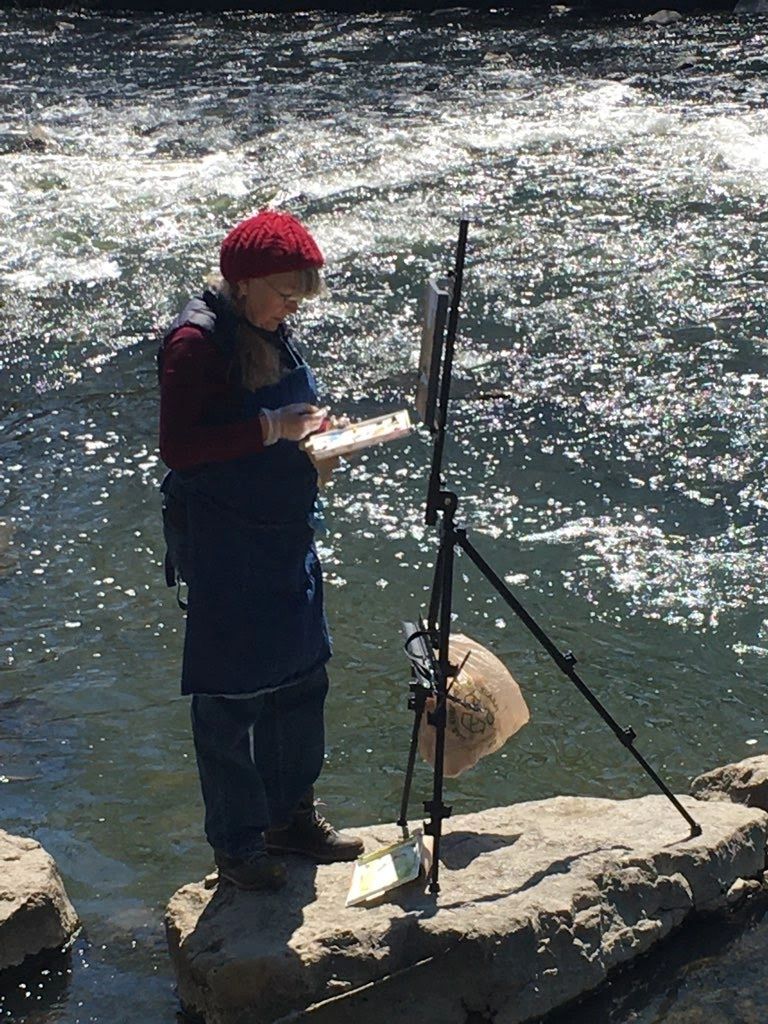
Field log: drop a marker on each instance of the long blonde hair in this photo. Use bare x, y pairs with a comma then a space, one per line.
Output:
259, 361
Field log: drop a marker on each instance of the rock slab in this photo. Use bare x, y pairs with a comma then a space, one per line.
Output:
539, 902
745, 782
35, 912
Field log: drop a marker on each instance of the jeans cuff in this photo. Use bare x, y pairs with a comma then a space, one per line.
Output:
253, 848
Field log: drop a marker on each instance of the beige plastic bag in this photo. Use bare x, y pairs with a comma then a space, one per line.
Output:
471, 734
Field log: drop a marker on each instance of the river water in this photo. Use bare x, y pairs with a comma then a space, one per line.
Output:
608, 433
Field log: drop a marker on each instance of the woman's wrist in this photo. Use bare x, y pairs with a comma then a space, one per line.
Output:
270, 428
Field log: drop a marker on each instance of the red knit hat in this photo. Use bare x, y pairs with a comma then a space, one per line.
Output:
272, 242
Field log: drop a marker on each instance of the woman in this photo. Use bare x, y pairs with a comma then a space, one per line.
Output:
236, 398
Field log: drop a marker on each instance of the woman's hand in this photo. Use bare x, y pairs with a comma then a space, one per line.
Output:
291, 422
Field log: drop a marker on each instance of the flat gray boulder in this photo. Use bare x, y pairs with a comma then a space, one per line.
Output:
663, 18
539, 902
35, 912
745, 782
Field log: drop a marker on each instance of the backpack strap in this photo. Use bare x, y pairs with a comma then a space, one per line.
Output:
289, 348
213, 316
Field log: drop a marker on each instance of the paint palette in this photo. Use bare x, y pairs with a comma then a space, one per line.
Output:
345, 440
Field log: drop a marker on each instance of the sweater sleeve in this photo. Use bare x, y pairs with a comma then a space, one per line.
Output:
193, 378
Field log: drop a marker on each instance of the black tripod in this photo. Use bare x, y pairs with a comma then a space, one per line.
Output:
432, 672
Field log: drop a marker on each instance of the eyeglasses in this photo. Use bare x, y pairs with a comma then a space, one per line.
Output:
287, 297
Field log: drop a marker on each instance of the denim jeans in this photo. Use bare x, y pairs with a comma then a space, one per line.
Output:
257, 756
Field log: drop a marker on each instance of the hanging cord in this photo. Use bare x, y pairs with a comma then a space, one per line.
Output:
466, 704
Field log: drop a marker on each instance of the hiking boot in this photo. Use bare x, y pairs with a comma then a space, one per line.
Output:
257, 873
311, 835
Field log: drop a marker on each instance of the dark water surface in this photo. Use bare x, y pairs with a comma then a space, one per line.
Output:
616, 179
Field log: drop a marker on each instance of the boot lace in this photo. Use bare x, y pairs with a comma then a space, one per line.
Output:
322, 825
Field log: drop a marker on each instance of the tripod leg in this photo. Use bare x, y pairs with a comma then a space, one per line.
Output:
437, 591
420, 698
436, 809
565, 663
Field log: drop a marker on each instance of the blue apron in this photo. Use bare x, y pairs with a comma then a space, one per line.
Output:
255, 618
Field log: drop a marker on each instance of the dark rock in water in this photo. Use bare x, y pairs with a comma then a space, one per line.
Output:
37, 138
727, 321
182, 42
751, 7
696, 334
661, 18
693, 334
439, 11
756, 64
686, 60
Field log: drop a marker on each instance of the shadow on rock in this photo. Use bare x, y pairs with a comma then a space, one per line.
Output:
459, 849
242, 941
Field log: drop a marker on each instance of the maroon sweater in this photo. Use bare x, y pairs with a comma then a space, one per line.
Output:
194, 382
